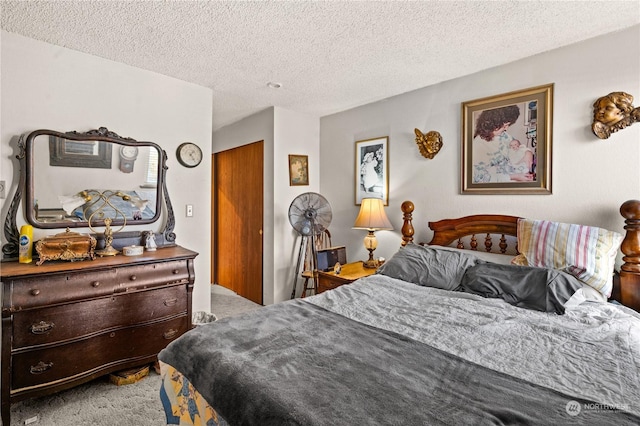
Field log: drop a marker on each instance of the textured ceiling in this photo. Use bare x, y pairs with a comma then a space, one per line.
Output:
328, 56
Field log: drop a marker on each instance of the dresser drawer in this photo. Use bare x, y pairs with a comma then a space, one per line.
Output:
329, 282
325, 285
38, 367
73, 320
150, 275
57, 288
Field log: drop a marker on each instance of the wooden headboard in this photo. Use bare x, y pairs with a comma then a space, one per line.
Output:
630, 269
492, 230
496, 232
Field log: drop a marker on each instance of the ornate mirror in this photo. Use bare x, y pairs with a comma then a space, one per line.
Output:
82, 180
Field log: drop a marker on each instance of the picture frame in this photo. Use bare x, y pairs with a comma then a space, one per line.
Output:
88, 154
298, 170
506, 143
372, 169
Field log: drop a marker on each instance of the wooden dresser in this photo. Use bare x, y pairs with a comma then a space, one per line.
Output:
65, 323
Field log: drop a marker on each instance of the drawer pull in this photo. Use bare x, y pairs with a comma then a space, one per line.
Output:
170, 302
41, 328
170, 334
95, 284
40, 367
176, 271
133, 278
35, 292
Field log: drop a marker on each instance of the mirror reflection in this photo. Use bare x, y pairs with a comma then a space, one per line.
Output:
68, 177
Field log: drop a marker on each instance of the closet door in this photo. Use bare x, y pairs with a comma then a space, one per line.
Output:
238, 212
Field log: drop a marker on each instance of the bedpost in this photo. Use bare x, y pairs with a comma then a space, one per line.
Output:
630, 270
407, 227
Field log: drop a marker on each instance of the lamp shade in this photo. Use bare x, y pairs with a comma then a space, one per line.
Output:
372, 215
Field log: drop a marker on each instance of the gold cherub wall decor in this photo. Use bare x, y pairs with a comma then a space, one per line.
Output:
613, 112
429, 144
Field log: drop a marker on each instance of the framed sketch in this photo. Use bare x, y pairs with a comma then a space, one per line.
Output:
506, 143
298, 170
89, 154
372, 169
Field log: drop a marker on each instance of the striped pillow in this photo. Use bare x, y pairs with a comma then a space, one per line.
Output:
586, 252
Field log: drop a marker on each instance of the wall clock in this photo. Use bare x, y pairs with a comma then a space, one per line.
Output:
189, 154
128, 155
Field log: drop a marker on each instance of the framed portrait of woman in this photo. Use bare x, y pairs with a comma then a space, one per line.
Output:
372, 169
298, 170
506, 143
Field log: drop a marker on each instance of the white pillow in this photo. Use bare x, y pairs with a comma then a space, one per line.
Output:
502, 259
586, 293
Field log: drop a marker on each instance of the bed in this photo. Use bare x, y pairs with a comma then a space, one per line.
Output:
440, 335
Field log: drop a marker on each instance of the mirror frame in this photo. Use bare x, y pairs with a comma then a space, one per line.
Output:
166, 236
101, 135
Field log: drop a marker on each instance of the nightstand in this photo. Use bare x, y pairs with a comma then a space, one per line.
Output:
349, 273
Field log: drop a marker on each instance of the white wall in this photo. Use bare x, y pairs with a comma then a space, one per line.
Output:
284, 132
51, 87
294, 134
591, 177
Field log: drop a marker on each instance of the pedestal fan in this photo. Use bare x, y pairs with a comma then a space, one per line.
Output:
310, 215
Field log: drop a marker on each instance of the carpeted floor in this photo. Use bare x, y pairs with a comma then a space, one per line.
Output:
225, 303
100, 403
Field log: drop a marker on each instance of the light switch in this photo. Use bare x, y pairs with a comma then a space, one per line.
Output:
189, 210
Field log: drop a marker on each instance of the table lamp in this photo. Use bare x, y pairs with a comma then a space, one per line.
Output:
372, 218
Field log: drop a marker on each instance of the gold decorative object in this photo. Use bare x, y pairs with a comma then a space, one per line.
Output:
102, 204
66, 246
429, 144
613, 112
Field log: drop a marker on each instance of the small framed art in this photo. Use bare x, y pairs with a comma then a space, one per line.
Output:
298, 170
372, 169
506, 143
89, 154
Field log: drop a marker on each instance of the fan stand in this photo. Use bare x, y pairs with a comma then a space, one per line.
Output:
313, 273
310, 215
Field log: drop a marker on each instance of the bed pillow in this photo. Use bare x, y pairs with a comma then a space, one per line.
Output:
586, 252
504, 259
428, 266
540, 289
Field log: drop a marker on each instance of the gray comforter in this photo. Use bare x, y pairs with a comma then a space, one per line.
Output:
381, 351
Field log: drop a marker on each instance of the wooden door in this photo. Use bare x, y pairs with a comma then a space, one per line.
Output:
237, 220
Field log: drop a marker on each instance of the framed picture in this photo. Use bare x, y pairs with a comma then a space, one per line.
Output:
506, 143
372, 169
298, 170
89, 154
